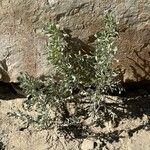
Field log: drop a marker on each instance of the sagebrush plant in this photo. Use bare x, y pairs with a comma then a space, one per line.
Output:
78, 77
106, 79
106, 76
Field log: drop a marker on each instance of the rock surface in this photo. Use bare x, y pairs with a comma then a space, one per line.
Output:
22, 47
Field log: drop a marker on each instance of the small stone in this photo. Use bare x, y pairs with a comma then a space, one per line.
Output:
71, 108
87, 145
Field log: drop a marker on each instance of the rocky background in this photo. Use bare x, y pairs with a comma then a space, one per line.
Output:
22, 49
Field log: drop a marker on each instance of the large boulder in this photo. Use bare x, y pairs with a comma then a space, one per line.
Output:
22, 47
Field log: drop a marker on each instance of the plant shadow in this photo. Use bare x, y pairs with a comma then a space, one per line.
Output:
141, 66
8, 91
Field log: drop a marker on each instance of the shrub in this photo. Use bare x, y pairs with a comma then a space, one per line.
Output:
79, 77
106, 77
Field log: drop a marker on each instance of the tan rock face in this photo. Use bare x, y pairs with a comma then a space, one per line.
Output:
23, 47
20, 46
134, 53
